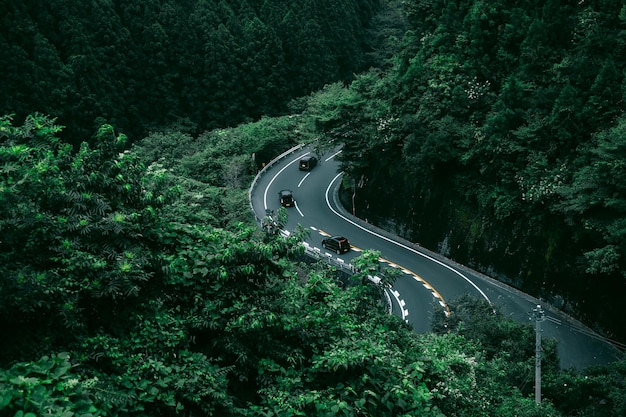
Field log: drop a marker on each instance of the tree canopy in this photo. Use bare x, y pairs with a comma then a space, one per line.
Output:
134, 282
146, 64
502, 127
125, 293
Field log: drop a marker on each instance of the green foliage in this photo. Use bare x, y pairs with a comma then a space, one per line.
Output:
48, 386
345, 362
465, 383
212, 172
77, 230
594, 392
144, 66
355, 117
149, 372
502, 340
369, 266
504, 138
226, 158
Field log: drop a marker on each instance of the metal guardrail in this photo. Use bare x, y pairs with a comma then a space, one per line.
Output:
316, 253
312, 252
262, 172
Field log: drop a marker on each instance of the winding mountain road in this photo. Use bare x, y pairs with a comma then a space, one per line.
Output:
427, 279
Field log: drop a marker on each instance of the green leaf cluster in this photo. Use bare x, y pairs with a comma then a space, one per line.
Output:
48, 386
77, 228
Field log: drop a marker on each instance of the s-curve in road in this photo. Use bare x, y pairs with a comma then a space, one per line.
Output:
427, 280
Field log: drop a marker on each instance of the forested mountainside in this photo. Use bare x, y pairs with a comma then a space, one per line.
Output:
133, 281
499, 139
143, 64
129, 286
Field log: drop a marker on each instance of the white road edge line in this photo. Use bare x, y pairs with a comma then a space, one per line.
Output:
295, 203
333, 155
400, 244
274, 177
400, 302
302, 180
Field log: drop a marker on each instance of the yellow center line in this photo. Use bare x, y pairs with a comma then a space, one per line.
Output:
425, 283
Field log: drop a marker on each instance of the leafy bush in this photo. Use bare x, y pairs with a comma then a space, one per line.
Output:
47, 386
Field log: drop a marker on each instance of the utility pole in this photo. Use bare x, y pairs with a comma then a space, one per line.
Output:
353, 196
539, 316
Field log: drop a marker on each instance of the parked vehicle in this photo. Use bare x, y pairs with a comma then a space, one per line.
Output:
307, 163
286, 198
337, 244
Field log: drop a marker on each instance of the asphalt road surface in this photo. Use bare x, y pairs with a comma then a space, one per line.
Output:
427, 279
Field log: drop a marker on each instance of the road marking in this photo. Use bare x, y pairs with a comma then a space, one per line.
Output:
401, 303
554, 320
295, 203
302, 180
275, 176
400, 244
430, 288
332, 156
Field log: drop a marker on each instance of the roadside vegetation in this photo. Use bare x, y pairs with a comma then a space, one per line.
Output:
134, 280
139, 285
499, 134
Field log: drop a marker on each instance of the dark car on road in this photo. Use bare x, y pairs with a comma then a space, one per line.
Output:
307, 163
286, 198
337, 244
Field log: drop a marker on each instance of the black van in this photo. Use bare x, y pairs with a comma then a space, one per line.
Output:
286, 198
307, 163
337, 244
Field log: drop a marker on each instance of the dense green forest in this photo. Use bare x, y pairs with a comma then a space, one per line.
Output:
146, 63
500, 136
134, 281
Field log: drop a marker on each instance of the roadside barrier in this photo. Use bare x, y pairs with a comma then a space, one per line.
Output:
311, 252
262, 172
